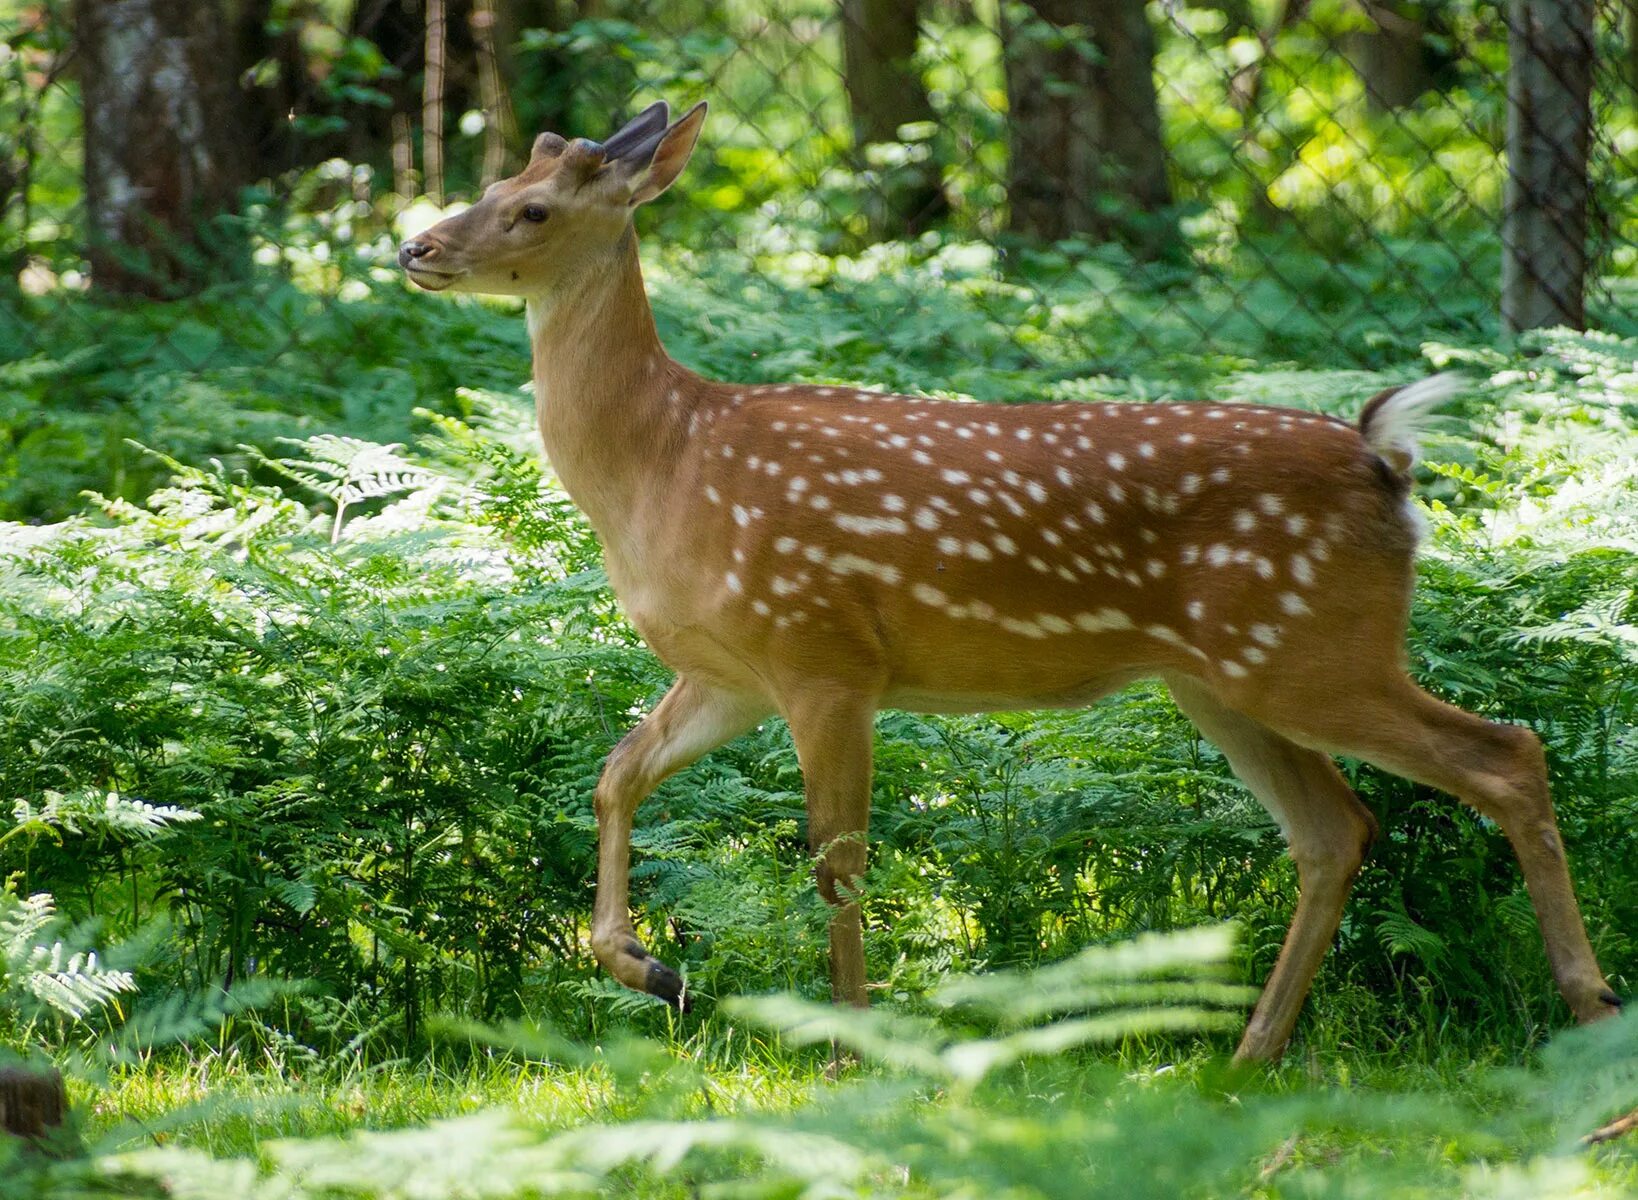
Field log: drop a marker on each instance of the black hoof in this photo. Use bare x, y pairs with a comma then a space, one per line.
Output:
665, 983
1611, 999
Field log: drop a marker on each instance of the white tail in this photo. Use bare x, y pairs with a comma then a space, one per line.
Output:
1392, 421
822, 552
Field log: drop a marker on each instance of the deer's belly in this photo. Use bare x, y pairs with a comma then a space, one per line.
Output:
1059, 694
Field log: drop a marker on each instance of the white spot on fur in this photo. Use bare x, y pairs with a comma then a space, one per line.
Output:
869, 526
853, 564
1105, 620
1294, 604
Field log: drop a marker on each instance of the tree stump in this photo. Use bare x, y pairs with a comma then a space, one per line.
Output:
33, 1102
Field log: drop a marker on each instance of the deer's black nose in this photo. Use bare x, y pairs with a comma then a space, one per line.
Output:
412, 250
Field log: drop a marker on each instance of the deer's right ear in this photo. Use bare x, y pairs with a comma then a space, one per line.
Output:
547, 145
655, 165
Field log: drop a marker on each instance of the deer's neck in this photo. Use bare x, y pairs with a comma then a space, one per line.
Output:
607, 397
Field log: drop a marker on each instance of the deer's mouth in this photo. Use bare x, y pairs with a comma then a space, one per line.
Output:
431, 280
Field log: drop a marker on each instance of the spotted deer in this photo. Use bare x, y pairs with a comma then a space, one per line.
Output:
821, 553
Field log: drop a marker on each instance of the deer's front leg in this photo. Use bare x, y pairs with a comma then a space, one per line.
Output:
691, 720
832, 733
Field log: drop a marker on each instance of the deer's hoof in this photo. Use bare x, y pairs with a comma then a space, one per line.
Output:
665, 983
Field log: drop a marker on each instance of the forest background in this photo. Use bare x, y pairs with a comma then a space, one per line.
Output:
307, 669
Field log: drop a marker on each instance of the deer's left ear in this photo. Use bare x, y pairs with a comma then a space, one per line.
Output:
654, 163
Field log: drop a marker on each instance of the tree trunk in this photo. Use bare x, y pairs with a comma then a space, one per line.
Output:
1549, 125
1086, 151
432, 105
33, 1102
1392, 59
885, 93
165, 139
499, 128
1630, 65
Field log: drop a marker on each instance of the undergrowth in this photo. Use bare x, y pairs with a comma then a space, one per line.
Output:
305, 701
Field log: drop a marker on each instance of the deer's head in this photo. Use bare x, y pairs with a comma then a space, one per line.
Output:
561, 215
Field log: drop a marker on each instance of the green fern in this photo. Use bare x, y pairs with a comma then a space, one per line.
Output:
37, 968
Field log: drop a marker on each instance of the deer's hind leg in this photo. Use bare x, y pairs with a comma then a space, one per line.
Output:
1496, 768
1328, 831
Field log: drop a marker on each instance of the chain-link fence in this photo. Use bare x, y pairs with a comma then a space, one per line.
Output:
1320, 180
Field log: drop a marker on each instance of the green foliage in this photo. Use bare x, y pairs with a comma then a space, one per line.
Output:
385, 675
306, 672
41, 970
986, 1098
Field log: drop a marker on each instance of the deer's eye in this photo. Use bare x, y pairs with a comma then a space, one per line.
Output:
534, 212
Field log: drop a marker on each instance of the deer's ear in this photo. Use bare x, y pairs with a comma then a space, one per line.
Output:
653, 163
639, 135
547, 145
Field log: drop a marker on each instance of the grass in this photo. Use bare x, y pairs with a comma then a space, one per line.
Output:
1340, 1123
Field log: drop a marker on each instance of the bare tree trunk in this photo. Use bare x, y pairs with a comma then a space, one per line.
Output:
1630, 66
432, 105
165, 138
499, 128
1086, 149
1392, 59
403, 158
1549, 126
885, 93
